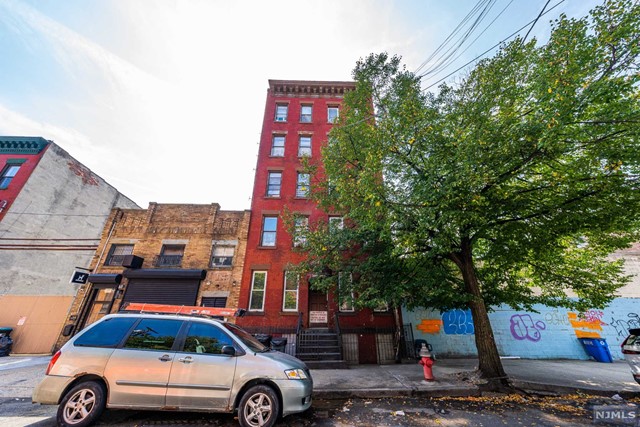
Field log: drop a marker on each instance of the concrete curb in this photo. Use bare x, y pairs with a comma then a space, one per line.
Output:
561, 389
376, 393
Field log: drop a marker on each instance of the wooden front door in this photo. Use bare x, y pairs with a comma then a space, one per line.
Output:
318, 309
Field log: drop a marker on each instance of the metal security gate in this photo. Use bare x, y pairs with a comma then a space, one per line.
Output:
162, 291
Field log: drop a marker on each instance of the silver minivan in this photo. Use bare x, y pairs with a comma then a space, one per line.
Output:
175, 363
631, 351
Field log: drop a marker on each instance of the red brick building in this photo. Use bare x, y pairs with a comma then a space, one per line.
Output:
298, 117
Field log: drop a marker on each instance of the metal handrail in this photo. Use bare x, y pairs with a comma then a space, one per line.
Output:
338, 333
298, 332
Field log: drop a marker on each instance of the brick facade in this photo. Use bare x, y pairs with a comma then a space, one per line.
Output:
283, 159
197, 227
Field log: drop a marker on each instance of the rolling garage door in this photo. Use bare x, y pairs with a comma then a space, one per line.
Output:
162, 291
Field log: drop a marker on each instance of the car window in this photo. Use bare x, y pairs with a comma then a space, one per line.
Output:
204, 338
154, 334
107, 333
246, 338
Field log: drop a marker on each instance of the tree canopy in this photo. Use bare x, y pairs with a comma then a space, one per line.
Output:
512, 185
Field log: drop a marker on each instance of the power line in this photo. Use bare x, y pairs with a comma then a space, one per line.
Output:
493, 47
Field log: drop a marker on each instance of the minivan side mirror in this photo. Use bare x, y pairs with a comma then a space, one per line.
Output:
229, 350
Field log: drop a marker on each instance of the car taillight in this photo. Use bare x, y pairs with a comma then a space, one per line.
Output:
624, 343
53, 361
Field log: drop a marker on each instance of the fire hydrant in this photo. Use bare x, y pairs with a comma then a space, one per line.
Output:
426, 360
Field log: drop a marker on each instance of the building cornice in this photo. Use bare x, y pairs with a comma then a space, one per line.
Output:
310, 88
22, 144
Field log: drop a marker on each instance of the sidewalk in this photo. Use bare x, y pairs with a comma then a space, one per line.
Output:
406, 379
20, 374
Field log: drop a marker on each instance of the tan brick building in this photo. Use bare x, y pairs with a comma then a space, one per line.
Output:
182, 254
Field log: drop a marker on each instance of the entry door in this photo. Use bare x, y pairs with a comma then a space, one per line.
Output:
318, 309
99, 305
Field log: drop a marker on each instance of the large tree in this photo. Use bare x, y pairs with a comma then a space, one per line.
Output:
510, 186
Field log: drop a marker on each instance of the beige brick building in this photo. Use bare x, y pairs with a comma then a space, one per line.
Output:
181, 254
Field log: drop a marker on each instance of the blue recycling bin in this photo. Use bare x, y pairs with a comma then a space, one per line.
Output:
597, 348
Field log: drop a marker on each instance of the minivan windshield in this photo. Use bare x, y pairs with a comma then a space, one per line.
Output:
246, 338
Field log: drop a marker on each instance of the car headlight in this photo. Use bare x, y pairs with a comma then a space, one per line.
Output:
295, 374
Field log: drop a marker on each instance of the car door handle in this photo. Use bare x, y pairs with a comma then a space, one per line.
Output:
187, 359
165, 358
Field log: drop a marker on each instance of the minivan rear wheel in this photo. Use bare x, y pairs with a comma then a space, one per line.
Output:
82, 405
259, 407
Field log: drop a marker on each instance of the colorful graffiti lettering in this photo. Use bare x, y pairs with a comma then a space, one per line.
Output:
622, 326
580, 323
430, 326
458, 322
524, 328
593, 316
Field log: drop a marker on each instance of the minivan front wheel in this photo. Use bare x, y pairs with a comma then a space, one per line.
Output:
259, 407
82, 405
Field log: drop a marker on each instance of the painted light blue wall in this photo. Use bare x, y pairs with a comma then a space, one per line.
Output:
551, 333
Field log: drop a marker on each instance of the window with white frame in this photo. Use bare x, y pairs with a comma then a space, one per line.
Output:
382, 306
345, 291
281, 112
304, 146
222, 255
277, 146
305, 113
290, 297
302, 184
332, 114
274, 181
301, 226
269, 227
258, 288
336, 223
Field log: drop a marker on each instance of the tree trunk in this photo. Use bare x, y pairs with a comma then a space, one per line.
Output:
490, 365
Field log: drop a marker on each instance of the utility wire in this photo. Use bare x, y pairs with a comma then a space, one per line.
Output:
479, 35
536, 20
492, 47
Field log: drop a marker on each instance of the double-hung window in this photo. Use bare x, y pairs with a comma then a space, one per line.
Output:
269, 227
302, 185
117, 254
345, 291
301, 226
277, 146
304, 146
290, 299
281, 112
336, 223
273, 184
332, 114
258, 288
8, 173
222, 256
171, 256
305, 113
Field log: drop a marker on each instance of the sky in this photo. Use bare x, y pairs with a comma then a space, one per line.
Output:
164, 99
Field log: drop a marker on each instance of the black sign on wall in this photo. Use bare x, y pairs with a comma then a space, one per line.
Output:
79, 277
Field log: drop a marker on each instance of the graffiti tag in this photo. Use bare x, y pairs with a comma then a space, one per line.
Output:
622, 326
458, 322
554, 317
524, 328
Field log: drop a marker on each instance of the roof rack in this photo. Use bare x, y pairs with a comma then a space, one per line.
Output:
140, 307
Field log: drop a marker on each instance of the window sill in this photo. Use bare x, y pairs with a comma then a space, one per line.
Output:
276, 157
273, 197
254, 313
289, 313
222, 267
268, 247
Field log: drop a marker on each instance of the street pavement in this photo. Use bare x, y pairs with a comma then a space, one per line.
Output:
453, 377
